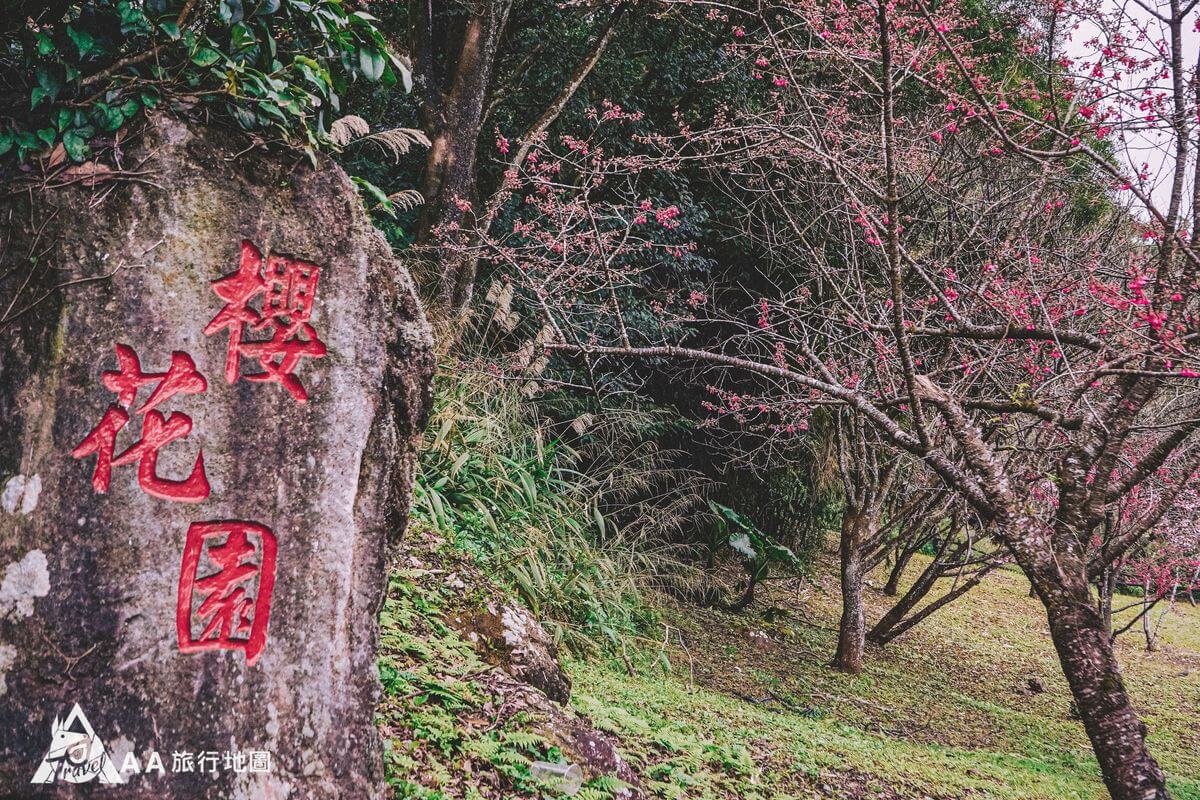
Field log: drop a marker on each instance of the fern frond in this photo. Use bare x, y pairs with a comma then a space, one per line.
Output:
398, 141
406, 199
347, 129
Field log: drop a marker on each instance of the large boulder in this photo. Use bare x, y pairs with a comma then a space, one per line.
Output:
212, 376
511, 638
597, 753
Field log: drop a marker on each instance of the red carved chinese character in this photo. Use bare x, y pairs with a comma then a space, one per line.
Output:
237, 290
101, 441
157, 431
288, 288
233, 612
291, 287
181, 378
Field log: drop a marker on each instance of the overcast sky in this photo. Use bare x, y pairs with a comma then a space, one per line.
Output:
1150, 146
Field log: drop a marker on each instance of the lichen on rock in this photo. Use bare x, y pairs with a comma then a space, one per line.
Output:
510, 637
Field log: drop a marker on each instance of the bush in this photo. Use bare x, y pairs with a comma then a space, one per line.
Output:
81, 71
505, 485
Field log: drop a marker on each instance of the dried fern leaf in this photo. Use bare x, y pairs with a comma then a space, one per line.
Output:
398, 141
348, 128
406, 199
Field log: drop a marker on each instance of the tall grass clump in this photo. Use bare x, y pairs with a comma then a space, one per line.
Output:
574, 514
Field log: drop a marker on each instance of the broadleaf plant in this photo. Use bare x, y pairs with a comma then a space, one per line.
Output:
82, 71
756, 549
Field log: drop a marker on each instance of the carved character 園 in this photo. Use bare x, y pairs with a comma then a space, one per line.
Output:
228, 607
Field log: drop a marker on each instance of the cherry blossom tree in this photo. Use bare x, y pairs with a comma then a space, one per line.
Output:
890, 505
1163, 566
981, 275
455, 53
1162, 572
961, 556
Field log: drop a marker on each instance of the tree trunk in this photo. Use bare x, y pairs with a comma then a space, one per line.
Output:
1147, 628
853, 627
1105, 587
905, 625
453, 99
892, 588
1118, 737
883, 631
455, 65
898, 620
753, 575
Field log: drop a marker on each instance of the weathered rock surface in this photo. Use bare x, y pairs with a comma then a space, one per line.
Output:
89, 581
597, 753
437, 570
510, 637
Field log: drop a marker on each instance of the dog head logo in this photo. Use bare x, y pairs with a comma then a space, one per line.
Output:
76, 754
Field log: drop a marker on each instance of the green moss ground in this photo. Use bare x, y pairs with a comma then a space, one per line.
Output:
751, 710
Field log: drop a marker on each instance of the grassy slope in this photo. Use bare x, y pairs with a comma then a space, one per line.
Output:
751, 710
943, 712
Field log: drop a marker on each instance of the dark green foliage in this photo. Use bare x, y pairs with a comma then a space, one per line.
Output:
754, 547
757, 551
278, 66
493, 479
788, 503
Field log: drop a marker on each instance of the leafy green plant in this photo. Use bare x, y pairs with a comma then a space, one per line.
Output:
757, 551
508, 491
272, 65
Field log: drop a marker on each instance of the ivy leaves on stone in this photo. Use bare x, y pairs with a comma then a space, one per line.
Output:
277, 66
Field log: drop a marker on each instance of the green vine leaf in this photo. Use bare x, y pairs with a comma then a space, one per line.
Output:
371, 63
279, 65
